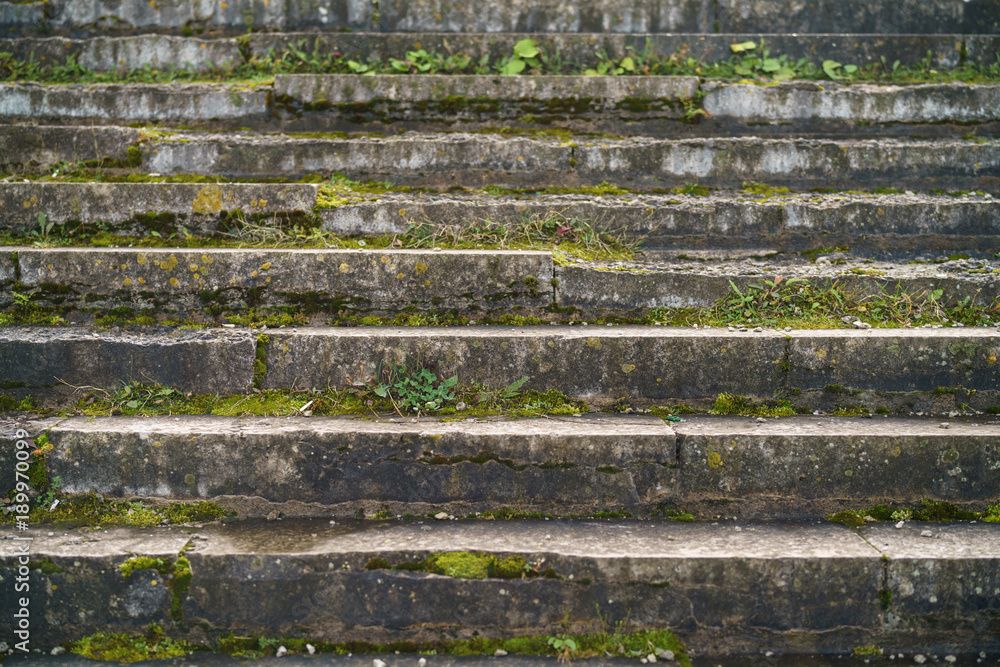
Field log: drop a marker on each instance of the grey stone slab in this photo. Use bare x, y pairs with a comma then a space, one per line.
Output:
831, 457
131, 102
416, 158
103, 54
94, 16
26, 146
715, 585
448, 98
17, 16
932, 103
183, 280
553, 463
696, 281
474, 160
647, 362
895, 359
692, 16
944, 580
203, 362
139, 208
886, 223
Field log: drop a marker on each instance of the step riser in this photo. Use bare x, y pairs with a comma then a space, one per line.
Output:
523, 162
520, 16
646, 364
720, 588
34, 147
322, 284
346, 464
561, 465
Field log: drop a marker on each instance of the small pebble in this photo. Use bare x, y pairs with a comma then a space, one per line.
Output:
926, 533
919, 659
758, 329
650, 658
900, 524
422, 662
950, 659
499, 652
281, 651
945, 425
58, 650
310, 649
665, 654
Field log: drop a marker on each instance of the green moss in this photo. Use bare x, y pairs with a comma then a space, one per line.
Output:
867, 651
260, 361
134, 155
731, 404
926, 510
117, 647
45, 567
463, 565
764, 189
848, 518
176, 573
885, 599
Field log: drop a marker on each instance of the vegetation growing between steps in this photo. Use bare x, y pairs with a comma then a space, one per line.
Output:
471, 565
120, 647
93, 509
925, 510
749, 60
176, 573
153, 644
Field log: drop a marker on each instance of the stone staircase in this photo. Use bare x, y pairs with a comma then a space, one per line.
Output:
756, 303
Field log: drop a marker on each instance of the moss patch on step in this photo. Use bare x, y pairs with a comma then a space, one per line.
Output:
925, 510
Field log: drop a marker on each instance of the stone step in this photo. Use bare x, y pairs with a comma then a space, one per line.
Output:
183, 282
698, 16
874, 224
595, 363
800, 466
884, 226
204, 284
477, 160
207, 53
637, 105
741, 586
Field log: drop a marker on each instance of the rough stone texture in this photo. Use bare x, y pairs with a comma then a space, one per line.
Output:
138, 208
606, 362
442, 99
27, 146
410, 158
550, 464
859, 102
115, 53
475, 160
40, 360
130, 102
15, 17
86, 17
795, 587
730, 16
895, 359
701, 281
945, 588
182, 280
815, 457
89, 595
886, 223
851, 48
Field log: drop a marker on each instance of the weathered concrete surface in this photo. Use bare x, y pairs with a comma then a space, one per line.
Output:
132, 102
139, 208
555, 464
15, 17
450, 98
88, 17
103, 54
946, 587
700, 282
41, 360
179, 280
885, 223
652, 362
625, 16
29, 146
794, 587
895, 359
869, 103
836, 457
474, 160
606, 362
402, 159
580, 47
